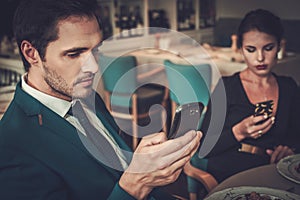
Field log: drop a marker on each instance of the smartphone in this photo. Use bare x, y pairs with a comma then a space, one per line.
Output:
264, 108
187, 117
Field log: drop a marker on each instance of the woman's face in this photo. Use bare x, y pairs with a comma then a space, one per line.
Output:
260, 51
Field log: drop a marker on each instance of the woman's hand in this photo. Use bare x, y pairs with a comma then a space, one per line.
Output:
279, 152
248, 127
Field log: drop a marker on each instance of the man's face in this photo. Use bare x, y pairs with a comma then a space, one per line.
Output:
69, 66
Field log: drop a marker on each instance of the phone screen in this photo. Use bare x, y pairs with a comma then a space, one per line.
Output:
186, 118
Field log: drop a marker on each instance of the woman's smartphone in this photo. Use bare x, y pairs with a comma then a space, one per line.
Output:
186, 118
264, 108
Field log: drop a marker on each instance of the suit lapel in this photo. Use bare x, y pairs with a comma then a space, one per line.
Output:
50, 120
46, 117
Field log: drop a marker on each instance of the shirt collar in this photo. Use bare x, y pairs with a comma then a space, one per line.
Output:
57, 105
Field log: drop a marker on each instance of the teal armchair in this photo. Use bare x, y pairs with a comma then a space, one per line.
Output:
189, 83
124, 98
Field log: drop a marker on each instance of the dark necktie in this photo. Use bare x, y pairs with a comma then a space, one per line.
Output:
106, 152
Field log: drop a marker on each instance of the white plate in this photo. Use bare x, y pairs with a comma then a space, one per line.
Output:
287, 167
290, 53
224, 49
153, 51
239, 193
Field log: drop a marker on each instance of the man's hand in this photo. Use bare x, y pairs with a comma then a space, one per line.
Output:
157, 162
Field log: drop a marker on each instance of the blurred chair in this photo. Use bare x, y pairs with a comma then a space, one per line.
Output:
8, 80
6, 95
199, 181
189, 83
124, 98
8, 77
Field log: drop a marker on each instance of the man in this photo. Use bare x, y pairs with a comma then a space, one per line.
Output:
43, 149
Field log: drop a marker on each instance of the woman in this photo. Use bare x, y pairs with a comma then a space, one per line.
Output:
246, 140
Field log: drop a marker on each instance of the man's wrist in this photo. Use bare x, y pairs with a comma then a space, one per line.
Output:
120, 194
133, 186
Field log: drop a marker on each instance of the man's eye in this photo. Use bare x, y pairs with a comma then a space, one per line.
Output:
73, 55
250, 49
95, 51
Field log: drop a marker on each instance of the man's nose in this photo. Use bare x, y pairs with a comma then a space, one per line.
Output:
90, 64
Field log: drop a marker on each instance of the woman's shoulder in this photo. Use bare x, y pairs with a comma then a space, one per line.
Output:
286, 81
232, 79
229, 84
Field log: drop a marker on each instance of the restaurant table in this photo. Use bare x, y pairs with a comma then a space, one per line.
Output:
263, 176
150, 62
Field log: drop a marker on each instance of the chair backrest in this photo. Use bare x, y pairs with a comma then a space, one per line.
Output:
189, 83
8, 80
119, 77
6, 95
9, 77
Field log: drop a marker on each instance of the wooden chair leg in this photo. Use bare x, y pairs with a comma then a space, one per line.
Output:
164, 116
107, 100
174, 105
134, 134
208, 181
134, 122
193, 196
178, 197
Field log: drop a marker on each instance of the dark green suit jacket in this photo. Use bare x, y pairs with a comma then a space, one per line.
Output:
48, 160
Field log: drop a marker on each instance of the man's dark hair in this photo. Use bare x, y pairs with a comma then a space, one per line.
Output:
36, 20
263, 21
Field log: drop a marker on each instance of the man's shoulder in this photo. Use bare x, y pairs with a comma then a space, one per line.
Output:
18, 116
13, 119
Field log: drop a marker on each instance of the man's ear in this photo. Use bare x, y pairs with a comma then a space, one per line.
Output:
30, 53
